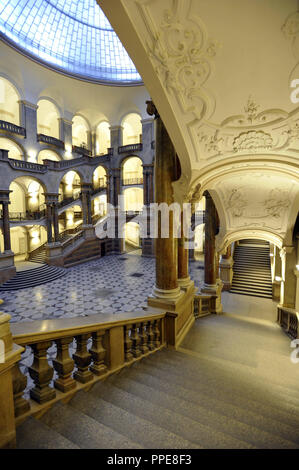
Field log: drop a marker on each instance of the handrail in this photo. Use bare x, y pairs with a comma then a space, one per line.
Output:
130, 148
13, 128
47, 139
81, 150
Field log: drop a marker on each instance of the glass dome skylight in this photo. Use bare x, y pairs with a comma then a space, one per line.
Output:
71, 35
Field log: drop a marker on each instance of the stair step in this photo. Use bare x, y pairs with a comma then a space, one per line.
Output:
129, 395
251, 294
145, 433
219, 421
33, 434
84, 430
33, 277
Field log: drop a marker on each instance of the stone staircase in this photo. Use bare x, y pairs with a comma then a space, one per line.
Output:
172, 400
39, 255
33, 277
252, 270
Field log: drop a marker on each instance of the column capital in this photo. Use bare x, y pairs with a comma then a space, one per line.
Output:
28, 104
86, 187
51, 198
151, 109
65, 121
4, 196
116, 128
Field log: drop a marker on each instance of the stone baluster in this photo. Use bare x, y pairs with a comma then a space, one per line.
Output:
128, 343
157, 333
98, 353
41, 373
64, 366
135, 340
82, 359
19, 381
150, 335
143, 339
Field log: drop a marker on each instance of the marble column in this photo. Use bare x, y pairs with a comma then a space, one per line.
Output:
165, 248
28, 113
115, 186
212, 285
116, 137
148, 198
65, 134
184, 280
51, 201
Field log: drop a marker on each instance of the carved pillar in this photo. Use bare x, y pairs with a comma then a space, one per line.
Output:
165, 248
212, 286
183, 259
86, 189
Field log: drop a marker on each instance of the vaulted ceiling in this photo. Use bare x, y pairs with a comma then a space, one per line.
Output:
220, 74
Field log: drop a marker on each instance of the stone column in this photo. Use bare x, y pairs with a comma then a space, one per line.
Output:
86, 189
148, 131
226, 269
211, 285
116, 138
184, 280
28, 113
6, 228
148, 198
165, 248
289, 281
115, 186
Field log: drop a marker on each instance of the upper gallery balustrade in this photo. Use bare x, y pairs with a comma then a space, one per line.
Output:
12, 128
130, 148
50, 140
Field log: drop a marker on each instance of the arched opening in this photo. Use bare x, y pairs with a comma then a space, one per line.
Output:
9, 102
27, 200
14, 151
70, 186
70, 218
80, 129
47, 119
132, 129
133, 199
48, 155
103, 139
99, 178
199, 241
132, 171
99, 206
132, 236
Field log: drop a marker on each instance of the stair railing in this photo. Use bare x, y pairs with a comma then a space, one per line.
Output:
288, 319
100, 345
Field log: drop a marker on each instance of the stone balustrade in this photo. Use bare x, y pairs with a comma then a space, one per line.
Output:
12, 128
130, 148
47, 139
288, 319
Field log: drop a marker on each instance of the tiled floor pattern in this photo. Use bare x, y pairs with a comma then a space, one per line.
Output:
112, 284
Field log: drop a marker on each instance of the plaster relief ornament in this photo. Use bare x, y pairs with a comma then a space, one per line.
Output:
212, 142
251, 109
277, 203
181, 53
252, 141
236, 203
293, 133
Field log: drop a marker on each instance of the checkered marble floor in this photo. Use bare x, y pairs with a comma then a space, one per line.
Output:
112, 284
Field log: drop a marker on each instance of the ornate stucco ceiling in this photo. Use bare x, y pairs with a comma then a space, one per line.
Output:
220, 73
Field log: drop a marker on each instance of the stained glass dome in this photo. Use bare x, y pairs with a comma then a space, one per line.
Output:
73, 36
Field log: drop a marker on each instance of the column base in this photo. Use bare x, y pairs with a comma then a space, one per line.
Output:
185, 282
215, 291
7, 267
170, 294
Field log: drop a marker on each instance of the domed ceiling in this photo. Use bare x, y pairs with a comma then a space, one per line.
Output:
73, 36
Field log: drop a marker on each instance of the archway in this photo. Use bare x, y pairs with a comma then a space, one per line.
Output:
103, 139
48, 155
132, 171
133, 199
80, 129
99, 177
70, 186
132, 236
9, 102
132, 129
27, 198
47, 118
14, 151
